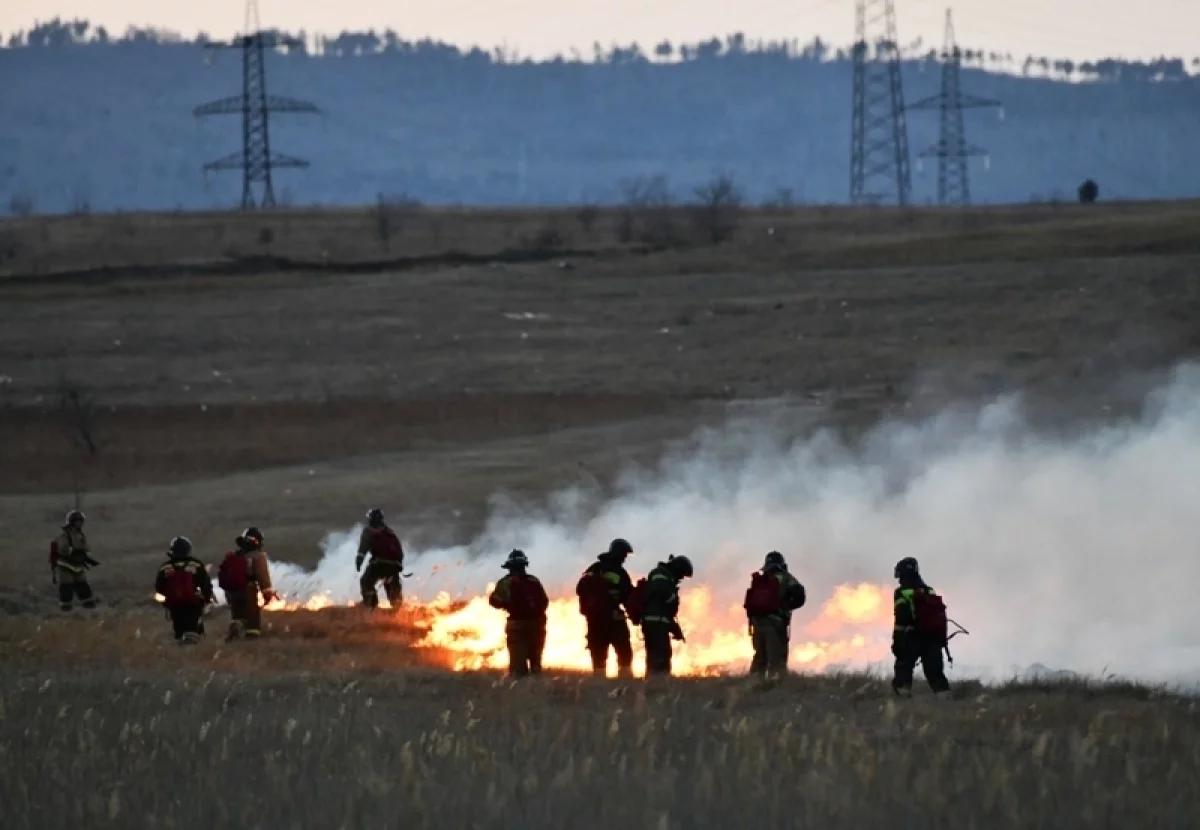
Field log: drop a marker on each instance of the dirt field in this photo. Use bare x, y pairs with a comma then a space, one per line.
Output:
196, 373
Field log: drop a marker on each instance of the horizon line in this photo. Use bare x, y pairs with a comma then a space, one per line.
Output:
917, 48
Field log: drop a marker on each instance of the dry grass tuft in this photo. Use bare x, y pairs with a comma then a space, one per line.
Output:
303, 730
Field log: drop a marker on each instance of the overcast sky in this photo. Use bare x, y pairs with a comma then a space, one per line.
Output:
1077, 29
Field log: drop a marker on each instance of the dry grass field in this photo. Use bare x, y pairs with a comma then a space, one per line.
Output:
292, 369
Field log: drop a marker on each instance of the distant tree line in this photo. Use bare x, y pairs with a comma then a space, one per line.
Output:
59, 34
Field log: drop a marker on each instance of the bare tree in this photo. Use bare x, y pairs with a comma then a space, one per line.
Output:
78, 407
645, 212
20, 205
389, 214
586, 216
718, 208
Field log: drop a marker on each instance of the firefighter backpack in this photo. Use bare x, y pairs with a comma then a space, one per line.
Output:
931, 618
593, 595
763, 597
180, 589
636, 604
386, 545
525, 602
234, 573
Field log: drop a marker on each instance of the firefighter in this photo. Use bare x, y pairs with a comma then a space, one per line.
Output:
602, 590
244, 575
770, 600
186, 589
659, 623
521, 594
387, 562
908, 644
70, 557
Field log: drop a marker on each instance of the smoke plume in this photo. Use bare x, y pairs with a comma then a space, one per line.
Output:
1078, 553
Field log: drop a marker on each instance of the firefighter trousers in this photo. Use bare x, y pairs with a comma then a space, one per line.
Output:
389, 572
908, 649
770, 638
526, 640
188, 622
658, 647
73, 584
606, 632
244, 612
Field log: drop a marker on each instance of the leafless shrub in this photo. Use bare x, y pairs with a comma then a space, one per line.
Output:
781, 199
718, 209
646, 212
81, 203
20, 205
389, 215
78, 407
586, 216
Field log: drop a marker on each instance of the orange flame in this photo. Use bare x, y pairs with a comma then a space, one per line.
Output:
853, 626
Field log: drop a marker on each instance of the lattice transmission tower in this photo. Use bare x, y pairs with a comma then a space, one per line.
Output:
879, 158
256, 159
952, 150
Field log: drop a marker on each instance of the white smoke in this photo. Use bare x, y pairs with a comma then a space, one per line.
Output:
1076, 553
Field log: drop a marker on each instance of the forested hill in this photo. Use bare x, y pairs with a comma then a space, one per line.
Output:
91, 120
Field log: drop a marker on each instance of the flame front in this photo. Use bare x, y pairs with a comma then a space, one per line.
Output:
852, 626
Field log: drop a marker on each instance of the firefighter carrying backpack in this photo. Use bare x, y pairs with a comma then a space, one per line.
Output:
180, 588
930, 613
386, 545
636, 604
524, 598
234, 573
764, 597
592, 590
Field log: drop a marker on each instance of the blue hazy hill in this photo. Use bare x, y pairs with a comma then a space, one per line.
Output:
85, 117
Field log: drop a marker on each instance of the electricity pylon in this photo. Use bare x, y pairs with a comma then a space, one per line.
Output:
952, 150
879, 157
256, 160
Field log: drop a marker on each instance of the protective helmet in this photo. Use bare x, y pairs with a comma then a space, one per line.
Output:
76, 516
516, 559
251, 538
775, 560
906, 567
619, 547
680, 565
181, 547
375, 517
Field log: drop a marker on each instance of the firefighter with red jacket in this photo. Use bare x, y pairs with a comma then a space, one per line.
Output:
602, 590
521, 594
909, 644
770, 600
185, 588
244, 575
70, 557
387, 562
659, 622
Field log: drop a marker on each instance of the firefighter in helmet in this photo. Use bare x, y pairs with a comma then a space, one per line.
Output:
659, 623
386, 565
245, 573
770, 600
70, 557
908, 644
603, 590
521, 594
186, 589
